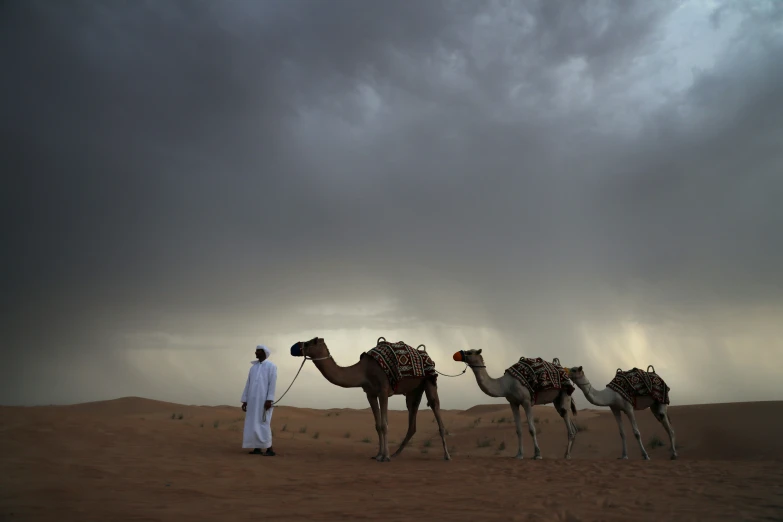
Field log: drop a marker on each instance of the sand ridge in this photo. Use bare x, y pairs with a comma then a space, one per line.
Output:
140, 459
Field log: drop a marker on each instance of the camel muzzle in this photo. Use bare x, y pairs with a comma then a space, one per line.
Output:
296, 349
459, 356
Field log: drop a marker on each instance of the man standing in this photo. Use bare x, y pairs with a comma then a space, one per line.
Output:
257, 403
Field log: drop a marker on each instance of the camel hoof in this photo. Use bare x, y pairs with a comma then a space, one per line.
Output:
674, 457
519, 457
646, 457
623, 458
538, 457
383, 459
447, 457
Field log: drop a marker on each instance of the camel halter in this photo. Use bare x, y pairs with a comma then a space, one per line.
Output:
305, 358
469, 365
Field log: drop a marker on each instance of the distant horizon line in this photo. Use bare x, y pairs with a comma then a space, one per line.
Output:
138, 397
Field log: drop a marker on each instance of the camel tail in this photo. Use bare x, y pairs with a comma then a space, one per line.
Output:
573, 406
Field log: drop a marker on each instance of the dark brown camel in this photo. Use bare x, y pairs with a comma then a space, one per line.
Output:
370, 377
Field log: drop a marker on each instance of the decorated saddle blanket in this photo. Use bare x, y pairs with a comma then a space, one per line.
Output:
538, 375
636, 383
400, 361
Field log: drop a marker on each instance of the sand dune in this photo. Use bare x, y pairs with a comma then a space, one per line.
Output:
140, 459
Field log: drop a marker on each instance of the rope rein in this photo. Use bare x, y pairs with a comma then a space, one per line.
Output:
304, 360
456, 374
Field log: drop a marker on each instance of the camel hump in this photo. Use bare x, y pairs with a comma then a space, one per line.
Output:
556, 361
648, 368
422, 346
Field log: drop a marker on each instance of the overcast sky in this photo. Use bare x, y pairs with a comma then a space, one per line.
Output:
595, 181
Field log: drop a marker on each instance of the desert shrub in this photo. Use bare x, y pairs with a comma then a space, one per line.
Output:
656, 442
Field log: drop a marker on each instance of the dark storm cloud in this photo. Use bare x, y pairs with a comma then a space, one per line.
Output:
208, 169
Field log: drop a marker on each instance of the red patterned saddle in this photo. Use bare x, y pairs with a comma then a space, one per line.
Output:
538, 375
400, 361
636, 383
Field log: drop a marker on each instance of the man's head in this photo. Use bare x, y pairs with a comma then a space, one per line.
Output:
262, 352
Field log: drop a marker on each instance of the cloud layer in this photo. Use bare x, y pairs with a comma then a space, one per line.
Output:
593, 181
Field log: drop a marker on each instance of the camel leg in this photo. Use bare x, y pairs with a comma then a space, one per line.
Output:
532, 428
434, 402
563, 404
412, 401
376, 413
518, 424
662, 414
619, 420
636, 433
383, 428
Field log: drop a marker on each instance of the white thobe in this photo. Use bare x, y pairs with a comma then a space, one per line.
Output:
260, 387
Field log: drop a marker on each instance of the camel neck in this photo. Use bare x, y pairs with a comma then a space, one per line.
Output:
595, 397
490, 386
342, 376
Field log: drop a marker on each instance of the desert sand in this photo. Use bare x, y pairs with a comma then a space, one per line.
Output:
140, 459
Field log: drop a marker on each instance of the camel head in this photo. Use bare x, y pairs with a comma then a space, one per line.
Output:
469, 357
315, 348
575, 373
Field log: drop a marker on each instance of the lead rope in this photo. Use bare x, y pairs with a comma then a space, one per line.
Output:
304, 360
455, 375
436, 370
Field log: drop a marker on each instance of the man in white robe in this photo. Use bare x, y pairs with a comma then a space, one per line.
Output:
257, 402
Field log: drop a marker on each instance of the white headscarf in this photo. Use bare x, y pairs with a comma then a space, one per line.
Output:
265, 348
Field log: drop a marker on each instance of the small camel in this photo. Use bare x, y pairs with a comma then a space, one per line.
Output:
370, 377
516, 394
617, 403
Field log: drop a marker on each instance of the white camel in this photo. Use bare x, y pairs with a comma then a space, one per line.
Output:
516, 394
617, 403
